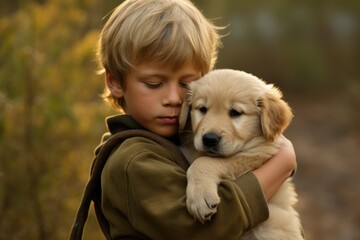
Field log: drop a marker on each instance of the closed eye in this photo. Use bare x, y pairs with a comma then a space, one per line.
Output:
184, 85
153, 85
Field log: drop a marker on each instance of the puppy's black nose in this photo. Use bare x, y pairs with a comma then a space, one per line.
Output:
211, 139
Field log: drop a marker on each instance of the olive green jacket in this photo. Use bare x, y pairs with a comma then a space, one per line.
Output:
143, 194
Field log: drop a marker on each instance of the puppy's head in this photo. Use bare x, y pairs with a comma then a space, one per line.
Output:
229, 108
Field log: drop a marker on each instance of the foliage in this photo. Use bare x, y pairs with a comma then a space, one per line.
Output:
49, 104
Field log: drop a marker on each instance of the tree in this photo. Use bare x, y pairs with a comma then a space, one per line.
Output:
48, 82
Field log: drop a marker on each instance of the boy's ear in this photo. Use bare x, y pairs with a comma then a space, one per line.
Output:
276, 114
114, 85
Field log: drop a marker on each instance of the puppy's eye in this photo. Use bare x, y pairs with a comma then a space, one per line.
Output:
234, 113
203, 109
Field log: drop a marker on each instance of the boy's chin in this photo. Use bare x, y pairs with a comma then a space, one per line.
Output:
166, 132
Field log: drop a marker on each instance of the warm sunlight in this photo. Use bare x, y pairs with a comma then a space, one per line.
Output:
52, 117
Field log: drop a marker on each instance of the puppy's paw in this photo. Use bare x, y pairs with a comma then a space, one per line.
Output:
202, 201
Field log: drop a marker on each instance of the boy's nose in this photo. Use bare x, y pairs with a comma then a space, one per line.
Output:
173, 96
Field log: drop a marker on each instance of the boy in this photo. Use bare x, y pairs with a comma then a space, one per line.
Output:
150, 50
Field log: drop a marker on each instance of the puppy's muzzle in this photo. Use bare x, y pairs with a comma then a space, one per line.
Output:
211, 140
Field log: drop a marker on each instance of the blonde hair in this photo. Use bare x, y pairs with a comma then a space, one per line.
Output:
169, 32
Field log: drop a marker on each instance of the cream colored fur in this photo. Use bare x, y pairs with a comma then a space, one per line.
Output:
236, 121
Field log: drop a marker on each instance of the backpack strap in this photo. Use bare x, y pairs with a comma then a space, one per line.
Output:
92, 190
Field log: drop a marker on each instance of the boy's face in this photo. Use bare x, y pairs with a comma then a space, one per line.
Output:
154, 95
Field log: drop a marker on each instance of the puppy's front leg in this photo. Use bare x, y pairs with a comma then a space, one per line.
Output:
203, 176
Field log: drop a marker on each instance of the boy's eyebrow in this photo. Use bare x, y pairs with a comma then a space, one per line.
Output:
152, 75
166, 75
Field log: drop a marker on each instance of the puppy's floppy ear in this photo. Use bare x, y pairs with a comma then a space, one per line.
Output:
184, 118
276, 114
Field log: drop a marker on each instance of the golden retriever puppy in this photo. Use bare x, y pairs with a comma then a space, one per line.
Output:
236, 121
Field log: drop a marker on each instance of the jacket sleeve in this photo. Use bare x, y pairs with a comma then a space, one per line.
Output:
144, 195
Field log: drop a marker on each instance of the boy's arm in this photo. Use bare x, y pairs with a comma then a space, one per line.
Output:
275, 171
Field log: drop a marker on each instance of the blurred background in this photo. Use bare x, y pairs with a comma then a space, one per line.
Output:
51, 116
